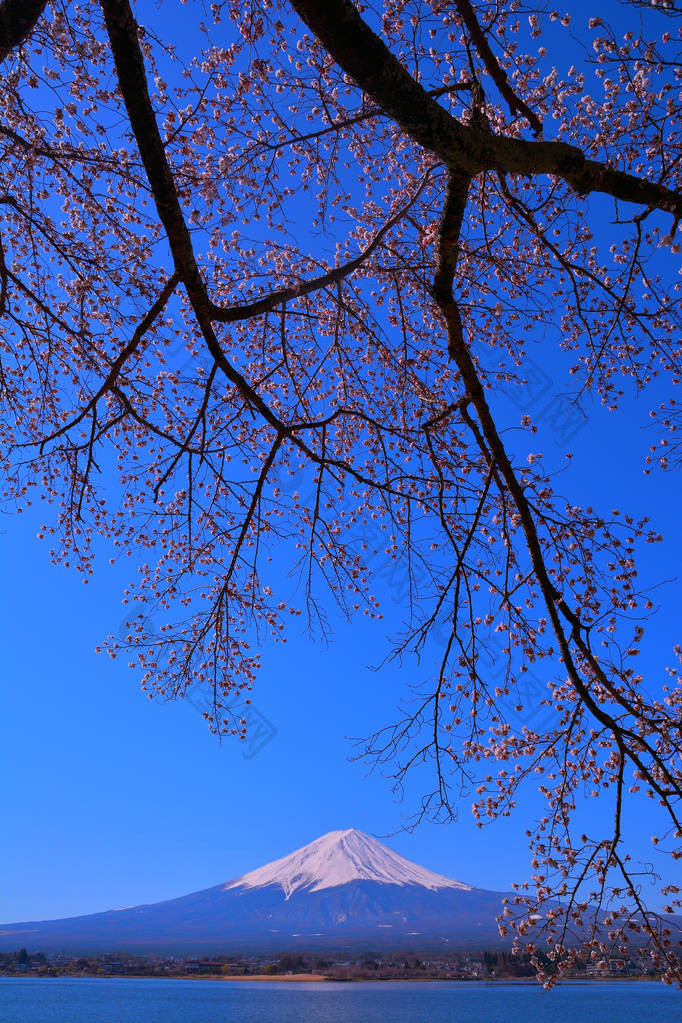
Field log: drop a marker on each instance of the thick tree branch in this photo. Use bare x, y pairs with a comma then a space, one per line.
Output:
468, 149
18, 18
123, 36
492, 446
363, 55
448, 252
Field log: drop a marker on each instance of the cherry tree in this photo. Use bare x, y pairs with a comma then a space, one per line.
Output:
265, 269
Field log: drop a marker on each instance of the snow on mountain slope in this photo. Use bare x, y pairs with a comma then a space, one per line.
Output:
340, 857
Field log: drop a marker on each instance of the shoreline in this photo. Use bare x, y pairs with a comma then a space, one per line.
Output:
317, 978
311, 978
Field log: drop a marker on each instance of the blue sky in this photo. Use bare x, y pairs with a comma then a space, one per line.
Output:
114, 799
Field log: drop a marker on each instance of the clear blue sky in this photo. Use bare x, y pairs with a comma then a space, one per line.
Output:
112, 799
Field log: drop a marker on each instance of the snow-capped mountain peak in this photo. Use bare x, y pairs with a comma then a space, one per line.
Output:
338, 858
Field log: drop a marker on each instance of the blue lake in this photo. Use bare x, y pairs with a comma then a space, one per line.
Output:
112, 1000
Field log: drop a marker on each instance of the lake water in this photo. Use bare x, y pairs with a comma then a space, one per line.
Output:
124, 1000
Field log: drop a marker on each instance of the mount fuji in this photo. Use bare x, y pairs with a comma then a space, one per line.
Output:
343, 890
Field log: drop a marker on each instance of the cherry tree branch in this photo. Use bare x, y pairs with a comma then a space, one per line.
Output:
232, 314
123, 36
121, 358
469, 149
665, 785
448, 251
497, 73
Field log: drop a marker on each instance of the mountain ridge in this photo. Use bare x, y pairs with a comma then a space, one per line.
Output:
343, 889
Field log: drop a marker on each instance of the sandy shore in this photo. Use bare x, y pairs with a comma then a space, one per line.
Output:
308, 977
